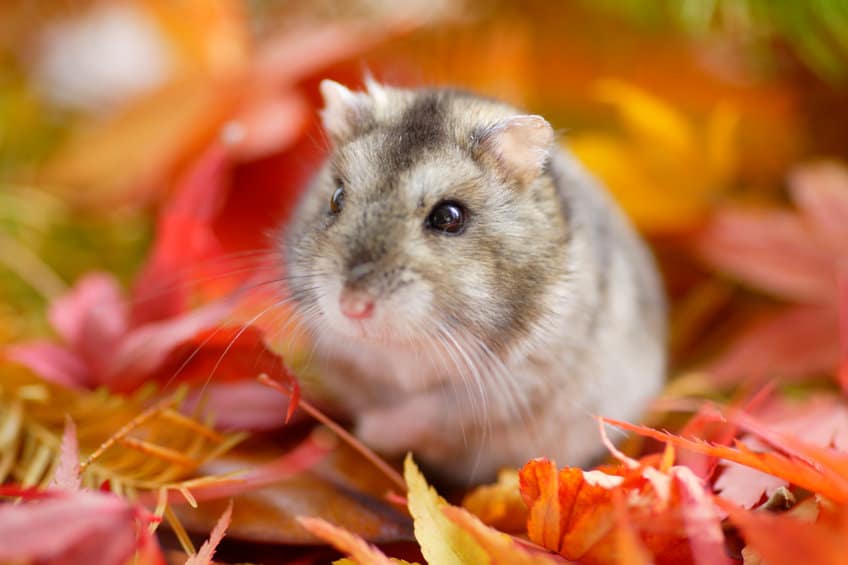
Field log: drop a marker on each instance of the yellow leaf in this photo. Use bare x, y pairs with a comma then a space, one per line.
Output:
666, 171
503, 549
647, 119
442, 541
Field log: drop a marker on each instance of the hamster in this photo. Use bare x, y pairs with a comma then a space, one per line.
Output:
474, 295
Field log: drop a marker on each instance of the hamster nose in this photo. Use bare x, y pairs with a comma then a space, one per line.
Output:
355, 304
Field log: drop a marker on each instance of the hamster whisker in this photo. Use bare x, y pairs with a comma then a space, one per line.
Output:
435, 348
477, 380
244, 328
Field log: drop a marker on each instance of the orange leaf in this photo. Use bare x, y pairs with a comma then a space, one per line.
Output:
540, 490
500, 504
667, 513
820, 479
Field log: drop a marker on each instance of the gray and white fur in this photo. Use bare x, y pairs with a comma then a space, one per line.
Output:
490, 346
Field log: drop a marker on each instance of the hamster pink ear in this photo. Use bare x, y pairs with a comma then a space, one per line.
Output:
342, 109
520, 146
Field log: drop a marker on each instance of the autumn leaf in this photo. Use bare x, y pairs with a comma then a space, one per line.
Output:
207, 550
500, 504
501, 548
666, 172
357, 548
104, 347
442, 541
783, 539
67, 524
798, 257
591, 516
821, 420
825, 476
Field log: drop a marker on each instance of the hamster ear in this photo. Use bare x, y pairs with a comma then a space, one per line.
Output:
342, 109
519, 145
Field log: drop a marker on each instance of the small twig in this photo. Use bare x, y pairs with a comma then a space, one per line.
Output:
354, 443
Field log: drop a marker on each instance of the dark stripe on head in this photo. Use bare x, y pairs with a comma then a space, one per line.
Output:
421, 127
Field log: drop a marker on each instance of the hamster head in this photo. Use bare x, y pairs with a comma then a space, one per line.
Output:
434, 214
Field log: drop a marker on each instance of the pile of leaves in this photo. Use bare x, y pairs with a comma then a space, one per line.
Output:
149, 408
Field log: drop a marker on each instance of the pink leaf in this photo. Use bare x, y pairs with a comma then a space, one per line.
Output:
796, 342
79, 528
147, 347
702, 520
771, 250
67, 475
746, 486
93, 316
207, 550
51, 362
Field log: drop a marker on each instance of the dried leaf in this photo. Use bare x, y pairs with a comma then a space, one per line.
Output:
174, 446
272, 486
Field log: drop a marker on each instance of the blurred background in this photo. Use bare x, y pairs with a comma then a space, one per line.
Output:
163, 133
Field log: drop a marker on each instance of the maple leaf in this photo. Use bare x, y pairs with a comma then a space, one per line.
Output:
821, 420
104, 347
799, 257
814, 468
657, 510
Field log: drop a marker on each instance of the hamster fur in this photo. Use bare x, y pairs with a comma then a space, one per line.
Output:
487, 347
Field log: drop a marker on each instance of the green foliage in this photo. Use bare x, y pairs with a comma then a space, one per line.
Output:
816, 31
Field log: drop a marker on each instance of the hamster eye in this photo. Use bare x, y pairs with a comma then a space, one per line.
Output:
337, 200
447, 217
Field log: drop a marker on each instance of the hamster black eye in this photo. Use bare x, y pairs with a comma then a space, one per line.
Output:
447, 217
337, 200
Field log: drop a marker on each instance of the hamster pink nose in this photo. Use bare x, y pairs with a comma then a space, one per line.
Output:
356, 304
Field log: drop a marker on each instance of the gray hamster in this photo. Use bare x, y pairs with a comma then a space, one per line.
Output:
474, 296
